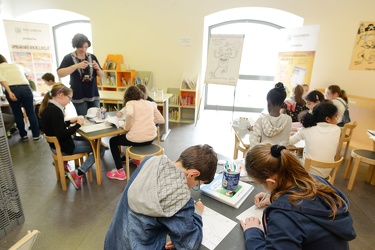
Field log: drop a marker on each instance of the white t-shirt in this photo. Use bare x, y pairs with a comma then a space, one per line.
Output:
13, 74
320, 144
340, 108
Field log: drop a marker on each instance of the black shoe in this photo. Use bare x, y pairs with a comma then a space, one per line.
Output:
12, 130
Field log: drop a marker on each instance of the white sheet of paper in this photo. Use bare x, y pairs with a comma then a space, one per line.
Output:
215, 227
253, 211
94, 127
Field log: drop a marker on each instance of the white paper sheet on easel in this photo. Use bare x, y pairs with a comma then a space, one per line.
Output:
215, 227
251, 212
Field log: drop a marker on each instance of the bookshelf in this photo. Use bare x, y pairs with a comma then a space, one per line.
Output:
183, 104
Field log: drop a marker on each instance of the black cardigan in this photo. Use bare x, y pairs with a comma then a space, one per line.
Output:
53, 124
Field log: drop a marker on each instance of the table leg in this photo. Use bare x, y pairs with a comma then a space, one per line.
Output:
95, 144
166, 119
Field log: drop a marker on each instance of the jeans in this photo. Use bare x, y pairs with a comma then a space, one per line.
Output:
82, 108
25, 99
83, 146
116, 141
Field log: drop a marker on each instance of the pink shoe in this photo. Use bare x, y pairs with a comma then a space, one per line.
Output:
75, 179
117, 174
66, 167
136, 162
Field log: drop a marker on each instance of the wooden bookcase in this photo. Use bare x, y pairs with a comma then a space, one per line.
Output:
183, 105
115, 78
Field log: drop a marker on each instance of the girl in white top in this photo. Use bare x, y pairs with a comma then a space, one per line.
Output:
339, 97
321, 135
273, 127
141, 118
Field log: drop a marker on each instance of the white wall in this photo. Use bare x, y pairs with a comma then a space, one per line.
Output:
146, 33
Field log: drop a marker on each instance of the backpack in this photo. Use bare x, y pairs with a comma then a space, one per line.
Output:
346, 116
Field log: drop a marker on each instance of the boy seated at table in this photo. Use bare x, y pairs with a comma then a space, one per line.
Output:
157, 202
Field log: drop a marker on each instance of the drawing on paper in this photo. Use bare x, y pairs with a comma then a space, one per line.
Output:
363, 57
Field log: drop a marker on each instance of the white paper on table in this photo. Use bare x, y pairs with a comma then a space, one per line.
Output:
253, 211
118, 122
94, 127
215, 227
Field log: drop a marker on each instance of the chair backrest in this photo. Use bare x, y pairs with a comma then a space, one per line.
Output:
321, 164
346, 136
55, 141
27, 242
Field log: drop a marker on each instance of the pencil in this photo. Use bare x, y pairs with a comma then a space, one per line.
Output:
264, 196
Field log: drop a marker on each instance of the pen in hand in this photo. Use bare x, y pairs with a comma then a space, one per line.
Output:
264, 197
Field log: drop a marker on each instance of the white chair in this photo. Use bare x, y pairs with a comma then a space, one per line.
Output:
27, 242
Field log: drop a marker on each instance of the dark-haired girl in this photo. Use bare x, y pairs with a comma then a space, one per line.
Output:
321, 135
83, 69
313, 98
272, 127
141, 117
304, 212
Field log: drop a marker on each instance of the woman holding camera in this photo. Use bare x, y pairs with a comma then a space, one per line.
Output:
83, 69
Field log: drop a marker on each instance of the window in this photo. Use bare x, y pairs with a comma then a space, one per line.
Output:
259, 56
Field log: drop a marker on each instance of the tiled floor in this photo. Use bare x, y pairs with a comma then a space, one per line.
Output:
78, 219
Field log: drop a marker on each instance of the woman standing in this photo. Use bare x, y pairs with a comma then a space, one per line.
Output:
83, 69
19, 94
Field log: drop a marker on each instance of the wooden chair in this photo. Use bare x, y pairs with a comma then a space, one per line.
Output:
360, 155
141, 152
345, 137
320, 164
59, 159
241, 142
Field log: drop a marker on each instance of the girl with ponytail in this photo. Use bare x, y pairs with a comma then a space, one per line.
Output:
304, 211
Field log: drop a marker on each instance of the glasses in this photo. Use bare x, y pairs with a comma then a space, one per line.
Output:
198, 186
70, 97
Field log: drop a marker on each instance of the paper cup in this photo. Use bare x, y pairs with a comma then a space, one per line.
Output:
230, 180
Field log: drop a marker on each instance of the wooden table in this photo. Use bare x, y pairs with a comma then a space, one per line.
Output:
160, 101
95, 140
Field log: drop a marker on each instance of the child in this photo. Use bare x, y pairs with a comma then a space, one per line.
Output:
157, 202
295, 104
339, 97
53, 124
306, 88
273, 127
141, 117
305, 212
321, 135
313, 98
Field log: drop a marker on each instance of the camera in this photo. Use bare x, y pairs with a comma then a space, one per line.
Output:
86, 78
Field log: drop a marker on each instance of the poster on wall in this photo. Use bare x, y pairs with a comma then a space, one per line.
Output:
296, 56
363, 56
224, 59
30, 46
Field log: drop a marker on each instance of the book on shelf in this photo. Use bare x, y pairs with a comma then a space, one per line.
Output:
232, 198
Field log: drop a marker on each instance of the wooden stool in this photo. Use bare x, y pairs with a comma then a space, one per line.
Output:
141, 152
365, 156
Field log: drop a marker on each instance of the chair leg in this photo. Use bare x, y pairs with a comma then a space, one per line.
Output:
348, 167
127, 164
89, 173
354, 172
56, 166
62, 175
346, 149
235, 152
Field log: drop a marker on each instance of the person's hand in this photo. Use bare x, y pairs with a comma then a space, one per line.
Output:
169, 245
119, 114
95, 65
251, 222
199, 205
82, 65
12, 96
260, 202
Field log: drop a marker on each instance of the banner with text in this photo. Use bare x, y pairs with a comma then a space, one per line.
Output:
30, 45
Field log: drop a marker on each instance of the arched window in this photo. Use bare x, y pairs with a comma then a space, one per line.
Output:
259, 56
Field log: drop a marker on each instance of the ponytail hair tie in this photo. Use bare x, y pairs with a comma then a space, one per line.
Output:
276, 150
